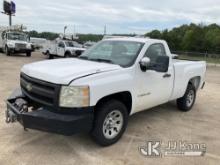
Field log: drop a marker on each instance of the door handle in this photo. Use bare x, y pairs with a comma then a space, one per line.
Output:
166, 75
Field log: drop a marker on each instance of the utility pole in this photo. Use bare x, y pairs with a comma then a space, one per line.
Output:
64, 33
74, 30
105, 30
10, 20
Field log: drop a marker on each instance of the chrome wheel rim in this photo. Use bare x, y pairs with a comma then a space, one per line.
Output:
113, 124
190, 98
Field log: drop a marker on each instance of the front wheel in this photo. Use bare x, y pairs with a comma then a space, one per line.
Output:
7, 51
110, 122
186, 102
67, 55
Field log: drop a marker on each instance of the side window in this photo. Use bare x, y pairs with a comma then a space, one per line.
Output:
154, 51
61, 45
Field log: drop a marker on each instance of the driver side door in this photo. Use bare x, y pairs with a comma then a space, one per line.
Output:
61, 48
153, 87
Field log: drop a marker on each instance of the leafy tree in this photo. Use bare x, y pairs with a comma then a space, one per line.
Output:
192, 37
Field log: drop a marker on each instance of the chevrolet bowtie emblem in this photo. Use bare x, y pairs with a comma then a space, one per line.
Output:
29, 87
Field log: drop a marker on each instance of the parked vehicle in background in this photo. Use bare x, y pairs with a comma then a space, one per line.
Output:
14, 40
88, 44
98, 91
63, 48
38, 43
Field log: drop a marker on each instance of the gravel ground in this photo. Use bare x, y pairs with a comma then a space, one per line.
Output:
164, 123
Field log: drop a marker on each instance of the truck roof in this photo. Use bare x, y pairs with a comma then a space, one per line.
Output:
135, 39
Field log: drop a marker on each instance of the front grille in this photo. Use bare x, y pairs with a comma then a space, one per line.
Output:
40, 91
20, 46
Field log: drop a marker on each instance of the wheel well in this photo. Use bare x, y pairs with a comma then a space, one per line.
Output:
124, 97
67, 52
195, 81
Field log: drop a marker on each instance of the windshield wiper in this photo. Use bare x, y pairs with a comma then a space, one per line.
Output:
101, 60
95, 59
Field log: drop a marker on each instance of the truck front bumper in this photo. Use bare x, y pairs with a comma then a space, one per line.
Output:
46, 120
14, 50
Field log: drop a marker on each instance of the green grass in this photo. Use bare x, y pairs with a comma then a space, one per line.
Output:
199, 58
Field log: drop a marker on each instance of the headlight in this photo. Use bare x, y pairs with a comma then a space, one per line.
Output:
74, 97
10, 45
28, 46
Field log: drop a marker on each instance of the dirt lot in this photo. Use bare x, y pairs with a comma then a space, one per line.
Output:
165, 123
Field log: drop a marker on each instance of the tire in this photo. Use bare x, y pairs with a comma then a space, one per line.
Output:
103, 132
67, 54
47, 54
28, 54
78, 53
186, 102
50, 56
7, 52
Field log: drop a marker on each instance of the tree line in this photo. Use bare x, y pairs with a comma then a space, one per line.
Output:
51, 36
195, 38
192, 37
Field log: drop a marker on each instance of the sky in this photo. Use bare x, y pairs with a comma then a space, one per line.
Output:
119, 16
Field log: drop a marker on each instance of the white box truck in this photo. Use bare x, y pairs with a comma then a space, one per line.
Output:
14, 40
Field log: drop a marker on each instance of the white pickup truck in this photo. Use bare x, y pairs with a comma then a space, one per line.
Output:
98, 91
63, 48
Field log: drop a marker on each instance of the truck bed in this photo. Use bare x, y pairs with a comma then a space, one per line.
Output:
184, 70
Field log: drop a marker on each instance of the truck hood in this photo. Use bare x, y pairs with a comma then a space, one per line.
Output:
75, 48
63, 71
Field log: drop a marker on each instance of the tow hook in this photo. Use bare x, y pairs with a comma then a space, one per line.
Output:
21, 105
10, 117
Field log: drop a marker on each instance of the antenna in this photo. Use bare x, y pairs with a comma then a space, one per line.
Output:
105, 31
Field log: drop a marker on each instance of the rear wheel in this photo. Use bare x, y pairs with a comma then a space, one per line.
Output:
110, 122
186, 102
28, 54
50, 56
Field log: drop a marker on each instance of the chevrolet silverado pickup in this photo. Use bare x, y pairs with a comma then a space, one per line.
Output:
97, 92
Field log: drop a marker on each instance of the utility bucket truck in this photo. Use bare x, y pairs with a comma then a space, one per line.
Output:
14, 40
63, 47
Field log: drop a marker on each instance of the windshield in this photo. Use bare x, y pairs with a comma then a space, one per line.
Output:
123, 53
72, 44
17, 36
69, 44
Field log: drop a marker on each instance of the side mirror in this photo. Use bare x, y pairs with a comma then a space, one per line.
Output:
174, 56
160, 65
144, 63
